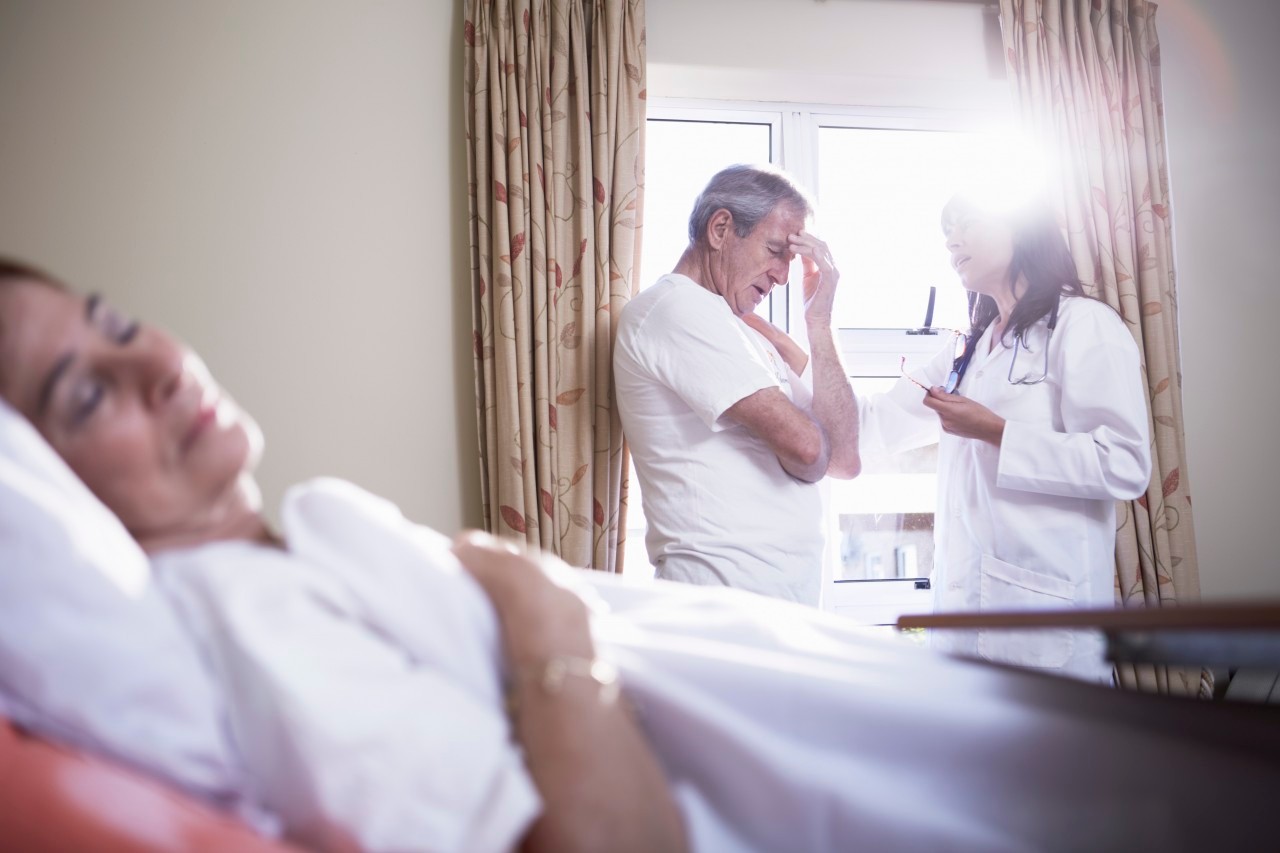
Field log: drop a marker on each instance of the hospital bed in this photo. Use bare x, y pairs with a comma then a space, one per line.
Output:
54, 799
1225, 636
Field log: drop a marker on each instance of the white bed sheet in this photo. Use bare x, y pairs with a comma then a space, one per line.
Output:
369, 708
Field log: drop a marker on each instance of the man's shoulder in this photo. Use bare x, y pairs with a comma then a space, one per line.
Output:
674, 297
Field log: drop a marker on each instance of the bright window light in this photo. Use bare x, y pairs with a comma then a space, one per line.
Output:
880, 199
681, 156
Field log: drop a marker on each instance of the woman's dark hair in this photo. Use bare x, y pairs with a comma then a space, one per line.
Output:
15, 270
1040, 255
12, 271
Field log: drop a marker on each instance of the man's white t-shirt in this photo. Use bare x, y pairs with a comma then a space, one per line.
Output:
720, 507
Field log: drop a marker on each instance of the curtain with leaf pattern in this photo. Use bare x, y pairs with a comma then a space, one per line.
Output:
555, 115
1086, 77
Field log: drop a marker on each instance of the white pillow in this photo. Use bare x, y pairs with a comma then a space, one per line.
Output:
90, 653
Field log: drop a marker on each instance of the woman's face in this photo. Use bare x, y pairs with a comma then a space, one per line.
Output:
981, 247
133, 412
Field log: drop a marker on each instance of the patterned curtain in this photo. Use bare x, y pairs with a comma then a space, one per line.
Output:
1086, 76
555, 116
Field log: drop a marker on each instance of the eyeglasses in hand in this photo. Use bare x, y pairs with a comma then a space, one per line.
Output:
963, 352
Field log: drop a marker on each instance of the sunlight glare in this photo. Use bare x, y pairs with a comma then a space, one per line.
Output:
1007, 176
880, 199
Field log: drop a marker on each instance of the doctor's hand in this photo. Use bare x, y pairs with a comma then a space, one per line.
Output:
820, 277
964, 417
792, 353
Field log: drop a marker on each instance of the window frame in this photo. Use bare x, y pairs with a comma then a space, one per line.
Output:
793, 142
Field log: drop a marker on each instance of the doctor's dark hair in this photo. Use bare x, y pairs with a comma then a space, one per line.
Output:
1040, 254
749, 193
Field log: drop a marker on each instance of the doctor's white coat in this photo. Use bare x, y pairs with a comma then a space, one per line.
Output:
1030, 524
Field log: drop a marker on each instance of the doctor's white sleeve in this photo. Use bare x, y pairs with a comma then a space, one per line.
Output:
898, 420
1104, 451
801, 384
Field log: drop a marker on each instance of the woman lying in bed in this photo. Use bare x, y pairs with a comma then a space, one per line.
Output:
138, 417
380, 697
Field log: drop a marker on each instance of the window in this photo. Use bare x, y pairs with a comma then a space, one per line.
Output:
879, 180
681, 155
880, 192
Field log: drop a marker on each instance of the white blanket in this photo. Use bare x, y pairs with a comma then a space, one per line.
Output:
363, 677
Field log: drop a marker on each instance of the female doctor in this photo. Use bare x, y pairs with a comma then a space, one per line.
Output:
1041, 422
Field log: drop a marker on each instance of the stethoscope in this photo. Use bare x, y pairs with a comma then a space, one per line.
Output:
1044, 370
961, 364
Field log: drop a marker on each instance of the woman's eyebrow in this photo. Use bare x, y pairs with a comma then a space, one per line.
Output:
64, 362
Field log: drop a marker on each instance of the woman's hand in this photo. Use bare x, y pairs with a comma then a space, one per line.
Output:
601, 785
540, 619
792, 353
964, 417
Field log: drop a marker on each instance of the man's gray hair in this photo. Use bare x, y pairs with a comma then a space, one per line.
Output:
749, 193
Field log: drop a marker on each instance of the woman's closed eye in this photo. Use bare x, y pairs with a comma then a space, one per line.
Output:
85, 395
86, 388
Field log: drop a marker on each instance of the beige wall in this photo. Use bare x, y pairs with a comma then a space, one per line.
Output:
1221, 71
935, 53
281, 182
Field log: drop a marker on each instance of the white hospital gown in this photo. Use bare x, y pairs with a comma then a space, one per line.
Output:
363, 680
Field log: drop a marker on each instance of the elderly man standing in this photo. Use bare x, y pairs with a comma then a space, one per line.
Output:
730, 423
